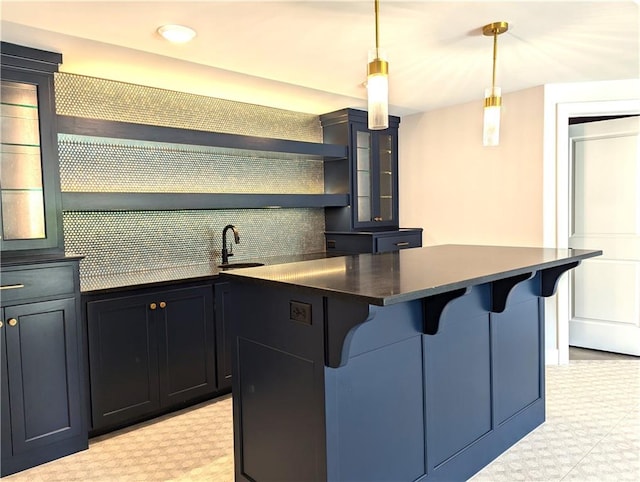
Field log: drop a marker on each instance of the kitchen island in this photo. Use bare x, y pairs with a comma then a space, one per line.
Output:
423, 364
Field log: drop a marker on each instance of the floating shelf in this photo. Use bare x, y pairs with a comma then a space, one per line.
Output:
129, 201
225, 143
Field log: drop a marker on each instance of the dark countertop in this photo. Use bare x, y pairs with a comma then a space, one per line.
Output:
388, 278
165, 276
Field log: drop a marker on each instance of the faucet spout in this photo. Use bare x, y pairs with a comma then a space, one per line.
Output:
227, 252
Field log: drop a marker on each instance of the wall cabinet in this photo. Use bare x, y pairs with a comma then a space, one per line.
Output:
29, 178
149, 351
40, 345
369, 174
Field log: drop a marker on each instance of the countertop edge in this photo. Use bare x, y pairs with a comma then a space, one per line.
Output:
418, 294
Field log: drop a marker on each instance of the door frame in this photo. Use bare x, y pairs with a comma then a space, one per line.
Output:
563, 101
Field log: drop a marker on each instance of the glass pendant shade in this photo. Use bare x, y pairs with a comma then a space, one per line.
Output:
491, 127
378, 91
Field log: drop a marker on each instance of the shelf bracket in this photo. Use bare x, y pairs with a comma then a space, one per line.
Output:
340, 317
500, 290
550, 277
434, 306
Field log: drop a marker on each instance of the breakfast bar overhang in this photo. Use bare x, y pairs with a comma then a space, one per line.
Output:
423, 364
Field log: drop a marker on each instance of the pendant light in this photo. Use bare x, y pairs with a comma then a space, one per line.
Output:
492, 98
377, 84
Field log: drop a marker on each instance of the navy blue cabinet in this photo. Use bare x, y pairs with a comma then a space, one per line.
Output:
369, 224
373, 241
30, 218
150, 350
369, 174
40, 345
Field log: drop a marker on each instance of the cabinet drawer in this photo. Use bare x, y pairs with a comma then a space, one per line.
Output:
18, 285
400, 241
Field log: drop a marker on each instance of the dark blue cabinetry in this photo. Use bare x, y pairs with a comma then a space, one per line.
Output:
30, 217
42, 393
418, 365
373, 241
150, 350
369, 224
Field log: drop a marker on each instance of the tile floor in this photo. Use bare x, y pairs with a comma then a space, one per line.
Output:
592, 433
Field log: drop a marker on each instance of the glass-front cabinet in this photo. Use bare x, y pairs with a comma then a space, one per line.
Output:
29, 183
370, 175
375, 178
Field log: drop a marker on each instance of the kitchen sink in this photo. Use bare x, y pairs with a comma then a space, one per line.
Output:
239, 265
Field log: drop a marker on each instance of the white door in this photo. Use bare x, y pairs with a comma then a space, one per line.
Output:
605, 214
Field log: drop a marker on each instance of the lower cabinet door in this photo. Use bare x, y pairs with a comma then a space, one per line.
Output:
123, 359
5, 422
224, 342
150, 352
187, 365
42, 367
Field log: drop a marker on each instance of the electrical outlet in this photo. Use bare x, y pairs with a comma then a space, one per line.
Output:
300, 312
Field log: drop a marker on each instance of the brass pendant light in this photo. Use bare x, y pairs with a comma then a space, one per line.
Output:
493, 99
377, 84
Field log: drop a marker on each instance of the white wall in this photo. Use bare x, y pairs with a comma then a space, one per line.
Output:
462, 192
513, 194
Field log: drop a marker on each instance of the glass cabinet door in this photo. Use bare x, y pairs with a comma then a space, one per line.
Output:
364, 174
21, 186
386, 194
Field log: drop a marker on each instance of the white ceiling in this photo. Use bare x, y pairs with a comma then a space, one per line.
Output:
436, 51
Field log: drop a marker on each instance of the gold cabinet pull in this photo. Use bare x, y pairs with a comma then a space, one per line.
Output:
11, 287
163, 304
1, 324
153, 306
377, 218
402, 243
12, 322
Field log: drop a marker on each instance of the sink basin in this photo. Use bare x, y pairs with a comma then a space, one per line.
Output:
239, 265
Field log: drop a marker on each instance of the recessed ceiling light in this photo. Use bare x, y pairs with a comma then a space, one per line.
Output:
178, 34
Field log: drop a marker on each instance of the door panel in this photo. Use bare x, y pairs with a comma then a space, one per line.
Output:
605, 214
123, 359
4, 385
43, 362
187, 344
609, 279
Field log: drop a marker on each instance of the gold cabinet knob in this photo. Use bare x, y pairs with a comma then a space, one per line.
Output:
1, 323
377, 218
153, 306
163, 304
12, 322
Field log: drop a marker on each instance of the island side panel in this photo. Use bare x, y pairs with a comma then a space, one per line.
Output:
484, 379
518, 351
278, 384
458, 377
374, 401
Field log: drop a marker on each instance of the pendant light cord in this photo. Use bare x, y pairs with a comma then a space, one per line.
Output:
376, 9
495, 56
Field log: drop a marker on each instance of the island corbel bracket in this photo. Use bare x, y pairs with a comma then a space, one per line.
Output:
340, 317
550, 277
501, 288
434, 306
